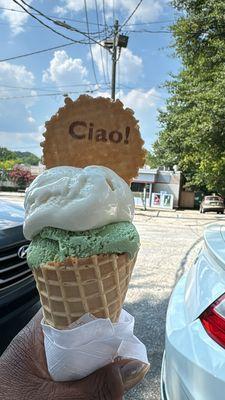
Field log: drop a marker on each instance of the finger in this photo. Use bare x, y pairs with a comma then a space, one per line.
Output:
132, 372
104, 384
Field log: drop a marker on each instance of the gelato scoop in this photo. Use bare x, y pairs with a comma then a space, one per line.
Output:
84, 244
76, 199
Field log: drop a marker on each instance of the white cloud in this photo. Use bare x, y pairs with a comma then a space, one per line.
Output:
15, 107
140, 100
28, 141
65, 70
130, 65
30, 119
12, 77
149, 10
15, 19
144, 103
73, 5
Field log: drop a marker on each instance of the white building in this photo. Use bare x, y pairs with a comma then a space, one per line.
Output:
158, 188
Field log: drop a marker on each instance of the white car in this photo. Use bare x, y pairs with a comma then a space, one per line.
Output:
193, 365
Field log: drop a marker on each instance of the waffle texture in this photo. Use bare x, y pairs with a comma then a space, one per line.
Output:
96, 285
123, 154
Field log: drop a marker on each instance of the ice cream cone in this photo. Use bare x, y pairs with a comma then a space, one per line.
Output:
96, 285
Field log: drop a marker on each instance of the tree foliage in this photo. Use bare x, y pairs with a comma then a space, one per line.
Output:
193, 125
17, 157
8, 164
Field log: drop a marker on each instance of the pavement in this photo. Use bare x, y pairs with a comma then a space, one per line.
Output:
170, 242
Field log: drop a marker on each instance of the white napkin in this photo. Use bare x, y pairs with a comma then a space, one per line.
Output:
90, 344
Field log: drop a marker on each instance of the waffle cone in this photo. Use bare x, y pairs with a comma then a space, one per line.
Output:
96, 285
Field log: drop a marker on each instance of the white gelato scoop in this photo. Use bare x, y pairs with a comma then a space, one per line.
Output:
76, 199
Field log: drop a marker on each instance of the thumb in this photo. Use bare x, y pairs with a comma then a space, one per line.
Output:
109, 382
131, 372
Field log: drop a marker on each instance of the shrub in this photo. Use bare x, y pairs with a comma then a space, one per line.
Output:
21, 176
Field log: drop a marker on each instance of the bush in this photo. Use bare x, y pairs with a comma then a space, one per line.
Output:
21, 176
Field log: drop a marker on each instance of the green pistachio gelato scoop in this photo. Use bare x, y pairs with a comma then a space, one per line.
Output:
53, 244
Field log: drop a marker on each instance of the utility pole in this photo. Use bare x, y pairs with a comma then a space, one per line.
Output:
114, 59
111, 44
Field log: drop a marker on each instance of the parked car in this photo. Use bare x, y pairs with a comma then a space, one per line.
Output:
212, 203
193, 365
19, 299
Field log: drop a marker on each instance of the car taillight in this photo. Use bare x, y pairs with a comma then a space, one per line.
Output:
213, 320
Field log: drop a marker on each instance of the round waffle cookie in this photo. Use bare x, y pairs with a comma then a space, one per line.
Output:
94, 131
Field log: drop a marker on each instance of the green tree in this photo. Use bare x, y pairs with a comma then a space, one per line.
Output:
6, 154
21, 157
27, 158
193, 125
8, 164
151, 160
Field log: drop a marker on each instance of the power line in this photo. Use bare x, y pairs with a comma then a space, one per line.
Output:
103, 67
147, 31
52, 87
113, 4
45, 95
107, 65
131, 15
40, 27
151, 23
47, 26
104, 16
92, 58
59, 18
107, 53
58, 23
36, 52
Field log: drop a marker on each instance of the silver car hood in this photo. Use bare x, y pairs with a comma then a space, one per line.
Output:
206, 278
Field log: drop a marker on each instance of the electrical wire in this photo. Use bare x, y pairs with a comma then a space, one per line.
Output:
106, 27
51, 87
46, 95
96, 33
113, 4
119, 85
59, 18
151, 23
58, 23
104, 14
126, 87
92, 58
101, 52
147, 31
35, 52
131, 15
107, 65
47, 26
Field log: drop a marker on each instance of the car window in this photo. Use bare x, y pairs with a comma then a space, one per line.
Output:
213, 198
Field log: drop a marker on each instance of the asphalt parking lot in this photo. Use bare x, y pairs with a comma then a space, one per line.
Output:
170, 241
